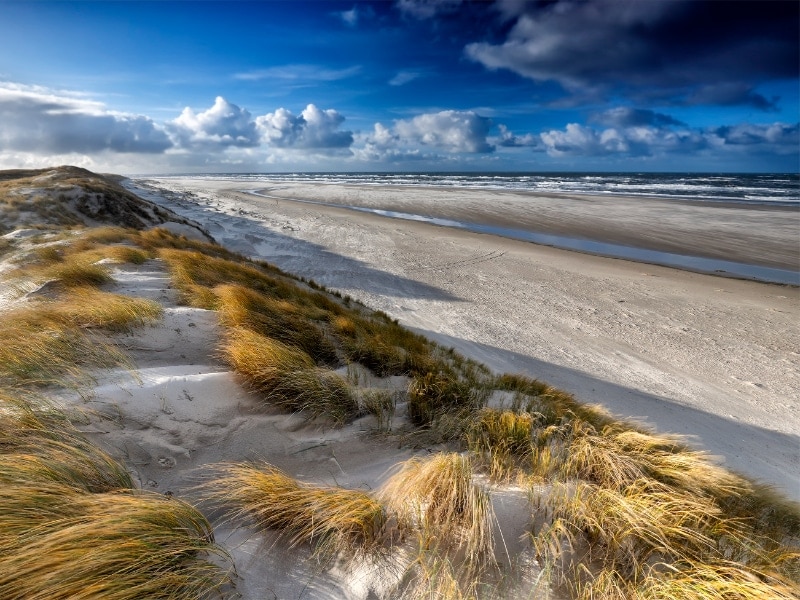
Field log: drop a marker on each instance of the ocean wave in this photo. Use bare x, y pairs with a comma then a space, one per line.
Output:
767, 189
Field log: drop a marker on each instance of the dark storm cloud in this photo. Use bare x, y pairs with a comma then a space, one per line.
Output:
780, 138
731, 94
775, 139
624, 116
689, 50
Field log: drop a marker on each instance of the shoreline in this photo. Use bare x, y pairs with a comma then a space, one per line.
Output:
705, 357
760, 236
696, 264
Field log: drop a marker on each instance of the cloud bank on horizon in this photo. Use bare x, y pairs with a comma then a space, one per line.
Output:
413, 85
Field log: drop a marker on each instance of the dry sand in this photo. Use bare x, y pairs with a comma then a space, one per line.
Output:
711, 358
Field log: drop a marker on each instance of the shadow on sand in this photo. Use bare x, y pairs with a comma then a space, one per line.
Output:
251, 233
763, 455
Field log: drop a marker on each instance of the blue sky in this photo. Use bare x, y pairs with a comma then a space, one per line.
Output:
409, 85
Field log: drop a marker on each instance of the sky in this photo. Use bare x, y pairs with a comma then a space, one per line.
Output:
404, 85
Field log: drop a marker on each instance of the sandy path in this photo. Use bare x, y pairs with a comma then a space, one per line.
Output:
711, 358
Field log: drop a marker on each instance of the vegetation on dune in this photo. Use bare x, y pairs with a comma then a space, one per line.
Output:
430, 507
618, 510
72, 526
69, 196
71, 523
287, 376
331, 520
54, 341
38, 349
615, 511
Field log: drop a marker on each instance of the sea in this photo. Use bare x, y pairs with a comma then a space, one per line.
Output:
777, 189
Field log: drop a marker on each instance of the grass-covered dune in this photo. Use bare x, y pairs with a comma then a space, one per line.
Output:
613, 510
71, 196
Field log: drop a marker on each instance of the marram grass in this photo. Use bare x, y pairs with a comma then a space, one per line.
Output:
503, 439
111, 546
90, 308
72, 527
288, 377
438, 498
430, 507
36, 351
39, 445
333, 521
52, 341
279, 319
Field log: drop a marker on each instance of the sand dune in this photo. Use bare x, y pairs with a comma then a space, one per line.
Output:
708, 357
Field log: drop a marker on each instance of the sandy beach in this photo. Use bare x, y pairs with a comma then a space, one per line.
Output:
711, 358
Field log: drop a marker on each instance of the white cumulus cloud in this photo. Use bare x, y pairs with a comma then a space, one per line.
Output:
313, 128
508, 139
452, 130
221, 126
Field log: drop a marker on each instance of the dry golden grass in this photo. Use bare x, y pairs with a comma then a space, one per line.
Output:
723, 581
52, 341
503, 439
195, 274
74, 272
72, 527
119, 253
90, 308
57, 543
641, 536
288, 377
433, 394
34, 351
279, 319
380, 403
39, 445
334, 521
432, 504
437, 498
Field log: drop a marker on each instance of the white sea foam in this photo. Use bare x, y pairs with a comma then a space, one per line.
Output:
773, 189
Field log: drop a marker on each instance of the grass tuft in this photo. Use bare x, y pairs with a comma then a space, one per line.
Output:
334, 521
72, 527
116, 546
438, 498
503, 439
279, 319
287, 377
35, 351
72, 273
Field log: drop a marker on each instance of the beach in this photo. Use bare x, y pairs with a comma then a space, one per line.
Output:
313, 448
708, 357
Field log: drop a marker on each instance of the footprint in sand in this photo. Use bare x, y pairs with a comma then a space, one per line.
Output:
166, 462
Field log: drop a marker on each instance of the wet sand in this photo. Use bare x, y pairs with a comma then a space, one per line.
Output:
758, 235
